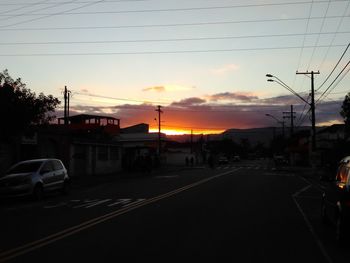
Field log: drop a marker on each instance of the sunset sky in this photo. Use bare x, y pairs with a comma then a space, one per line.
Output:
203, 61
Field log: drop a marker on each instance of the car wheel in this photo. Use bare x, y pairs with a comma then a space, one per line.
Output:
65, 187
38, 192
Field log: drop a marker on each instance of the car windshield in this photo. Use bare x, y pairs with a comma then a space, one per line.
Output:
25, 168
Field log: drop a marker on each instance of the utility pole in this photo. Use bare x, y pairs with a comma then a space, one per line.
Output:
191, 141
159, 128
65, 96
312, 106
290, 115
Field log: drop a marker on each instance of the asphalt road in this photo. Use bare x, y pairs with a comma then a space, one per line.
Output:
247, 211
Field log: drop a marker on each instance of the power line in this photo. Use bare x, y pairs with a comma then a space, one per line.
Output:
163, 40
50, 15
336, 65
318, 37
12, 16
24, 6
160, 52
4, 28
330, 85
114, 98
174, 9
338, 27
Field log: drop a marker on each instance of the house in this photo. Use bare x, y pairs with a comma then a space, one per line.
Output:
87, 144
140, 147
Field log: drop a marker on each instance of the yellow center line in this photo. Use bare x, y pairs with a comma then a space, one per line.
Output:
12, 253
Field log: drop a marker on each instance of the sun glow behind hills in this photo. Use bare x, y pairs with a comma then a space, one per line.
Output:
174, 131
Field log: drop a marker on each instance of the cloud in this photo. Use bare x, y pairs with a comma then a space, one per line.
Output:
155, 88
170, 87
229, 68
84, 90
188, 102
197, 112
240, 96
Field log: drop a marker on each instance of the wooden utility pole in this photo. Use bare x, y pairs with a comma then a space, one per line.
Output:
65, 96
159, 129
290, 115
312, 106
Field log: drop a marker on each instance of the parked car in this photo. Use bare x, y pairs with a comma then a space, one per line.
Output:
223, 160
280, 160
236, 158
34, 177
336, 201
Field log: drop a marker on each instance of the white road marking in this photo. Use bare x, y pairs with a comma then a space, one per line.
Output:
89, 203
134, 203
309, 225
166, 176
55, 206
121, 202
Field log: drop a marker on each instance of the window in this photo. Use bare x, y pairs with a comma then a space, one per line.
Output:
114, 153
57, 165
102, 153
47, 167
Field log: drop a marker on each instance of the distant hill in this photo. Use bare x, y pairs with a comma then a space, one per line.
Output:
254, 135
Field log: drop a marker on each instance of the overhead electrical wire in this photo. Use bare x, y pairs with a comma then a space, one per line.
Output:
50, 15
158, 52
318, 36
335, 66
171, 9
335, 34
330, 85
4, 28
163, 40
29, 13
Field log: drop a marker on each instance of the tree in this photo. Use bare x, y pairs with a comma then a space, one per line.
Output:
345, 113
20, 107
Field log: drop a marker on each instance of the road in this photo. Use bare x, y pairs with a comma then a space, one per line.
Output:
247, 211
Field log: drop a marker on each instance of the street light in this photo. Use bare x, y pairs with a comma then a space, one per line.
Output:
278, 121
311, 104
284, 85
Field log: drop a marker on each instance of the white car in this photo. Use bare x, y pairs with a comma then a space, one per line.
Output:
34, 177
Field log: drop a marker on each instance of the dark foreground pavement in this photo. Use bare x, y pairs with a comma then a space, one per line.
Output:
246, 212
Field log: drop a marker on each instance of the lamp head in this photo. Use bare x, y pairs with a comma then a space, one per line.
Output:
269, 75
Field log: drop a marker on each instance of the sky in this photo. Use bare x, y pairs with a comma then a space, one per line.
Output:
204, 61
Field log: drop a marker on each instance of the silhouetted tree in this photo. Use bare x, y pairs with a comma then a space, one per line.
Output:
20, 107
345, 113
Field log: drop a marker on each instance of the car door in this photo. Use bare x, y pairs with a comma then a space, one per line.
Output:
335, 191
46, 174
59, 173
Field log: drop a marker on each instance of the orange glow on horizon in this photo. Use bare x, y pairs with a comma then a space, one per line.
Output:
174, 131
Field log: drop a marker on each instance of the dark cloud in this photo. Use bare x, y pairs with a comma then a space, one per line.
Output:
284, 99
197, 112
240, 96
189, 102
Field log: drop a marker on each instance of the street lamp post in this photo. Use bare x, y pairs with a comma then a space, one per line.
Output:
311, 104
